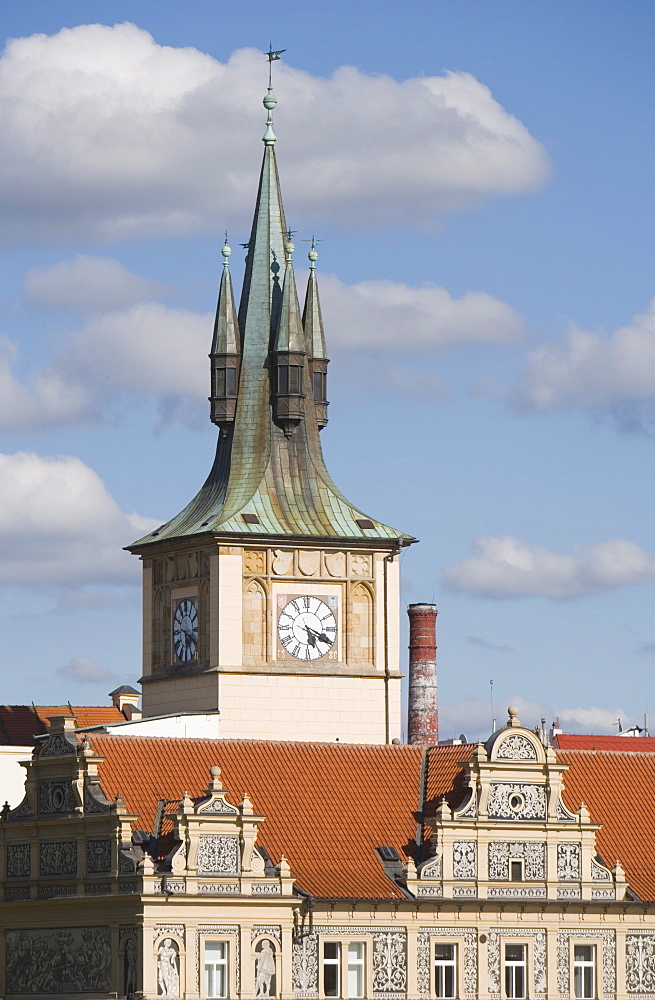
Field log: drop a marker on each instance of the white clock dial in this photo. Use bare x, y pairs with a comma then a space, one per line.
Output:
307, 629
185, 629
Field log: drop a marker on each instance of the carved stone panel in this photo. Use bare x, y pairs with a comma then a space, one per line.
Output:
640, 962
309, 562
532, 853
62, 960
516, 747
335, 563
18, 861
389, 963
304, 965
55, 796
517, 801
599, 873
432, 868
360, 565
465, 859
282, 562
568, 862
98, 855
57, 858
218, 854
254, 562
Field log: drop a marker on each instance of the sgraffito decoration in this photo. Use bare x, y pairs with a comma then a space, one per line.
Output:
98, 855
640, 963
390, 963
18, 861
218, 854
468, 936
517, 801
304, 965
516, 747
61, 960
608, 960
568, 862
465, 859
57, 857
531, 852
538, 954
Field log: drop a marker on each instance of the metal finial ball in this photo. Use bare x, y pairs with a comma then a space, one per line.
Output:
313, 254
226, 250
289, 247
270, 101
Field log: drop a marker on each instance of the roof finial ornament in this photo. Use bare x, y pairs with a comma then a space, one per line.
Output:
270, 100
313, 252
226, 251
288, 245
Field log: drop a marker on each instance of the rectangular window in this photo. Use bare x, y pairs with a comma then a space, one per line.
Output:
319, 387
584, 971
515, 971
444, 970
225, 382
516, 871
356, 955
331, 971
216, 968
289, 380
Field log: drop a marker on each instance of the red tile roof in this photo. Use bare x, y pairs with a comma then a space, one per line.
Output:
328, 806
624, 744
618, 789
20, 724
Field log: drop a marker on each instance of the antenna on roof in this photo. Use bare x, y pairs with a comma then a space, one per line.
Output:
618, 723
491, 699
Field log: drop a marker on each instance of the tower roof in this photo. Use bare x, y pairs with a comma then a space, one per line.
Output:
265, 482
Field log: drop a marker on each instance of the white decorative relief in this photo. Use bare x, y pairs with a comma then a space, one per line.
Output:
218, 888
538, 954
468, 891
390, 963
424, 958
517, 801
516, 892
471, 809
599, 873
568, 892
309, 562
282, 562
603, 894
360, 565
640, 962
271, 930
429, 890
465, 859
218, 854
304, 965
161, 930
608, 961
532, 853
516, 747
568, 862
432, 868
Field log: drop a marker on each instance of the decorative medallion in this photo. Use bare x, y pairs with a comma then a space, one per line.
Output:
254, 562
516, 747
517, 802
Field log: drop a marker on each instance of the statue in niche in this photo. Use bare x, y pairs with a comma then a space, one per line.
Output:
130, 967
168, 978
264, 970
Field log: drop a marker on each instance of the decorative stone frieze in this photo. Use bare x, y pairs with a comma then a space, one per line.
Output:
270, 930
516, 892
465, 891
218, 888
17, 861
568, 892
516, 747
465, 859
168, 930
97, 888
532, 853
98, 855
265, 889
218, 854
80, 957
57, 858
50, 891
516, 801
599, 873
304, 965
568, 862
390, 963
640, 962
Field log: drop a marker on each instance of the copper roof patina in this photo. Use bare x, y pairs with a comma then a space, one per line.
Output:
280, 481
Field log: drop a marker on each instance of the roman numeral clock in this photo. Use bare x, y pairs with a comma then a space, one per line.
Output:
307, 627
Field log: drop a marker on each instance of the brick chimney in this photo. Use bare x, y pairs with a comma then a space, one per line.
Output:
423, 718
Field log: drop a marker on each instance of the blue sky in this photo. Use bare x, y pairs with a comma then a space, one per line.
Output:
480, 178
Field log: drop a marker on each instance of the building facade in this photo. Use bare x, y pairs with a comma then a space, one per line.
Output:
228, 868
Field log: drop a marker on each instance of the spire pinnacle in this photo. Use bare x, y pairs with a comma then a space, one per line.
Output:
270, 100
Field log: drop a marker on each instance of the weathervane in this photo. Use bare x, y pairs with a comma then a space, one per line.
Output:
272, 57
270, 100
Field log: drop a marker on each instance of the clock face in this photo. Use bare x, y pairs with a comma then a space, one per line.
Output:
307, 628
185, 629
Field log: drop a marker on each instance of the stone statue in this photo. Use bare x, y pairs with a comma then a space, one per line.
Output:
130, 967
168, 978
265, 970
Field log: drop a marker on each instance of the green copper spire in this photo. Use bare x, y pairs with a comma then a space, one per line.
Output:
269, 477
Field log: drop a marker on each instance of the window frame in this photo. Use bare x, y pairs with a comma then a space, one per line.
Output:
521, 864
360, 943
333, 963
225, 963
455, 945
514, 964
584, 943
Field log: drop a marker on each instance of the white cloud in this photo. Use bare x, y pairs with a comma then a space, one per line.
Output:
46, 398
379, 315
472, 717
596, 372
86, 284
81, 669
59, 525
594, 720
108, 135
509, 567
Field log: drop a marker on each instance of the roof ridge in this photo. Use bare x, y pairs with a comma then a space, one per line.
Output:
638, 753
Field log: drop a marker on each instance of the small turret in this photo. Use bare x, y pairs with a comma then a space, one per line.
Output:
289, 353
225, 353
312, 322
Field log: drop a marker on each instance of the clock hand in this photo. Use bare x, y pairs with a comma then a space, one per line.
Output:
320, 636
310, 636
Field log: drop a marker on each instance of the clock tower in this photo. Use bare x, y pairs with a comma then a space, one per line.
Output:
270, 598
